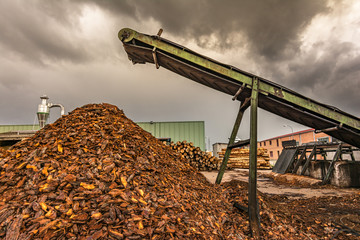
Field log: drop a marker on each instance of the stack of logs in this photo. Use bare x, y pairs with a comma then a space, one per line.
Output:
197, 158
239, 158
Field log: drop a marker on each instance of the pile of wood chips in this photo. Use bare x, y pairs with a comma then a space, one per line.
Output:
330, 217
95, 174
197, 158
2, 151
239, 158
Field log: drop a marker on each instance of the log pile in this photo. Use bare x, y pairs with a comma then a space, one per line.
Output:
95, 174
197, 158
239, 158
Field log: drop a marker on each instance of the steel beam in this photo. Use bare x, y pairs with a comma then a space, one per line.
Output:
240, 144
299, 161
331, 167
231, 142
253, 201
312, 154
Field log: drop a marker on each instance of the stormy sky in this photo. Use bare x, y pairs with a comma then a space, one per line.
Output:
69, 50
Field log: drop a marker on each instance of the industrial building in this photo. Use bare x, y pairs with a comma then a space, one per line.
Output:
190, 131
275, 145
11, 134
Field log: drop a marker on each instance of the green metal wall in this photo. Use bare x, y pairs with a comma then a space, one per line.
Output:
191, 131
11, 128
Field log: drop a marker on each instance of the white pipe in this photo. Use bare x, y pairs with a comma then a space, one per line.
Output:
58, 105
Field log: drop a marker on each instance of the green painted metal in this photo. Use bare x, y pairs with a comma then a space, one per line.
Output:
231, 141
191, 131
309, 105
265, 87
253, 201
12, 128
183, 53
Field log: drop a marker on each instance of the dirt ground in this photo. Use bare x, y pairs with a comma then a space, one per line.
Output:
307, 188
295, 207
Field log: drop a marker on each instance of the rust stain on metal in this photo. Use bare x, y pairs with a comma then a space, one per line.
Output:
278, 92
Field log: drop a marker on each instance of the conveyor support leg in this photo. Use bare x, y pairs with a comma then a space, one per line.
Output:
331, 167
299, 160
234, 132
253, 201
312, 154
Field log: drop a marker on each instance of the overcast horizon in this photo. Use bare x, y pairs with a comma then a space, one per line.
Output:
69, 50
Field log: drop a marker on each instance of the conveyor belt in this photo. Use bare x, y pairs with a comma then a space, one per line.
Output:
142, 48
284, 160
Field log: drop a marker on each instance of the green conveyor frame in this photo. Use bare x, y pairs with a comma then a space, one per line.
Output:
277, 99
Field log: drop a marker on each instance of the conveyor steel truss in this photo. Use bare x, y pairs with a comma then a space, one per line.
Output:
292, 158
250, 90
142, 48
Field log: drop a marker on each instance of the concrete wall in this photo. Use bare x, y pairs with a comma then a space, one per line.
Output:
345, 173
217, 147
330, 156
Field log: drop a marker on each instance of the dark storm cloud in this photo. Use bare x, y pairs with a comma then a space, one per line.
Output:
271, 27
271, 30
314, 70
38, 31
332, 75
87, 62
344, 85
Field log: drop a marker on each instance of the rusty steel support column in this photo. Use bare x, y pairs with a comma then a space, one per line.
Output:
235, 130
254, 219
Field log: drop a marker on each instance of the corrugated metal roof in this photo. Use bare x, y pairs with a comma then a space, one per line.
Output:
11, 128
